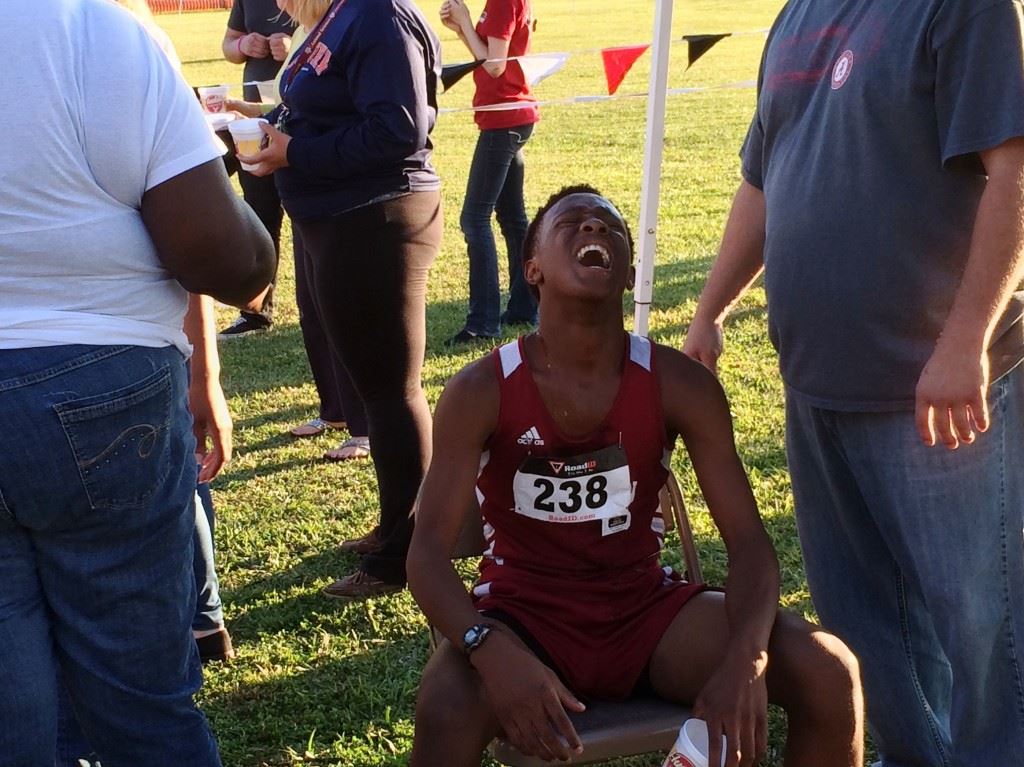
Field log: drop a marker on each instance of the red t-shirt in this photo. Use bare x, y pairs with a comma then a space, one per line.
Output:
505, 20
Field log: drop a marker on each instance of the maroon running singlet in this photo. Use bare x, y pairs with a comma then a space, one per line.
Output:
573, 528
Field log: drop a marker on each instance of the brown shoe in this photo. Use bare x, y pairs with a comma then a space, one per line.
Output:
368, 544
360, 585
215, 647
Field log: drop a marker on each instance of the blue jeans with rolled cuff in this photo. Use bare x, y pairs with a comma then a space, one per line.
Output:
97, 479
495, 187
915, 558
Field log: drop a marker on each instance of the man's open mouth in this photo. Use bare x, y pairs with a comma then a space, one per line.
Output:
594, 256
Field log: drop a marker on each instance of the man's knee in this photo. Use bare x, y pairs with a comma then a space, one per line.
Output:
820, 674
450, 704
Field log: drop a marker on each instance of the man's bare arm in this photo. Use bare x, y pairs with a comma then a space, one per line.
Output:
740, 262
527, 697
734, 699
206, 237
465, 416
951, 397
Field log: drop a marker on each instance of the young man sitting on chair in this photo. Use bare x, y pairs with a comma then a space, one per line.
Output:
564, 438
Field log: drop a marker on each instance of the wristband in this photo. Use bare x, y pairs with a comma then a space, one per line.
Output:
238, 45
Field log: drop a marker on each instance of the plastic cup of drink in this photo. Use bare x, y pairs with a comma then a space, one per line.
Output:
268, 92
691, 748
213, 98
247, 136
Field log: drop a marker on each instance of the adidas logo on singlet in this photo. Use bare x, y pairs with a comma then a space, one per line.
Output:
531, 437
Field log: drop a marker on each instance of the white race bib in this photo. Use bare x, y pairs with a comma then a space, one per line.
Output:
584, 488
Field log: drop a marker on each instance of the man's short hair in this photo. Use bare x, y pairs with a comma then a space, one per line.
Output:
530, 241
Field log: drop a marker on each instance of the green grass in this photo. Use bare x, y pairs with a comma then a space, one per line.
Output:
320, 684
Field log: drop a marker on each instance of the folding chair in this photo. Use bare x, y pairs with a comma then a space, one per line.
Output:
608, 729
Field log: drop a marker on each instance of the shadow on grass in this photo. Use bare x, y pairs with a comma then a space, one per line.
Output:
262, 469
287, 417
349, 705
264, 362
258, 592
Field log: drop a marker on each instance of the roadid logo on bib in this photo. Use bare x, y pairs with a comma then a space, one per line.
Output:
592, 487
841, 71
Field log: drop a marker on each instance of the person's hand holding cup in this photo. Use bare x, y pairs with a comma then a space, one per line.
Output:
262, 148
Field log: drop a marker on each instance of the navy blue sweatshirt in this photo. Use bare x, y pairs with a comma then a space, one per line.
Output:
360, 110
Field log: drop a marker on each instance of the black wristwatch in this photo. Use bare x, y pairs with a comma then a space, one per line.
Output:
474, 637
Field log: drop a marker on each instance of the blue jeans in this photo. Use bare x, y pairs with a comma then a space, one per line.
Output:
495, 186
97, 476
915, 558
209, 613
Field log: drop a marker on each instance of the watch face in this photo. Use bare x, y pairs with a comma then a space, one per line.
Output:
474, 637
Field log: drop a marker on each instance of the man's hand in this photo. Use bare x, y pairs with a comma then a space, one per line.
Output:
704, 343
529, 699
211, 425
280, 45
273, 156
734, 703
952, 396
254, 45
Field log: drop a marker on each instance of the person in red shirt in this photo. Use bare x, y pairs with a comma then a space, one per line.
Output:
563, 438
495, 184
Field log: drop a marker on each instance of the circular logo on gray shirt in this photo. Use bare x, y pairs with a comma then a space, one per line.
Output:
841, 71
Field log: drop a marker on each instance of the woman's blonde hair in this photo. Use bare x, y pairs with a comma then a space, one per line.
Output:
308, 12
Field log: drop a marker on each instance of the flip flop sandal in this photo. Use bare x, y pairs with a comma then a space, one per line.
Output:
351, 449
315, 427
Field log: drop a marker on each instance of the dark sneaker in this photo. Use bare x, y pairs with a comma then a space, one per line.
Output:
360, 585
518, 322
466, 337
243, 326
368, 544
215, 647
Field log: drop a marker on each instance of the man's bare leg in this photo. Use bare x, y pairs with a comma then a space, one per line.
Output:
454, 721
811, 674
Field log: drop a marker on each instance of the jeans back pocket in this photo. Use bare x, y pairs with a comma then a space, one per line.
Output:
121, 441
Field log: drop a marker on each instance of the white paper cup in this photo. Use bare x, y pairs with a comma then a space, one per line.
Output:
268, 92
213, 98
247, 136
691, 748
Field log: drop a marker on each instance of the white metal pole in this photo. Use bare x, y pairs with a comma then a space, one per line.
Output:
657, 92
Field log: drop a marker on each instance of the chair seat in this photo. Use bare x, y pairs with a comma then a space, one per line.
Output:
611, 729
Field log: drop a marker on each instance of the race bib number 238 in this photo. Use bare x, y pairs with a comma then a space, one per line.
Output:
584, 488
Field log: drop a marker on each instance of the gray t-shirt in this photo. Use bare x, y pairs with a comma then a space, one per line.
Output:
869, 118
265, 17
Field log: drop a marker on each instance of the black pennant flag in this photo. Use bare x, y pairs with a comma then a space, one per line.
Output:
698, 45
452, 73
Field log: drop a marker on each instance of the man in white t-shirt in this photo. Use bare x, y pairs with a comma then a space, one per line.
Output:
113, 204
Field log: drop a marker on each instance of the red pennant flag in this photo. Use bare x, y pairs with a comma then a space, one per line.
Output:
617, 62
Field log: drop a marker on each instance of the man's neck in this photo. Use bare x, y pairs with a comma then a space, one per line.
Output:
583, 338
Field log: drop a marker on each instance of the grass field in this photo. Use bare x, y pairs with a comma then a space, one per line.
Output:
320, 684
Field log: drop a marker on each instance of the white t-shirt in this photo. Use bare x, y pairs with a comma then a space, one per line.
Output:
97, 117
